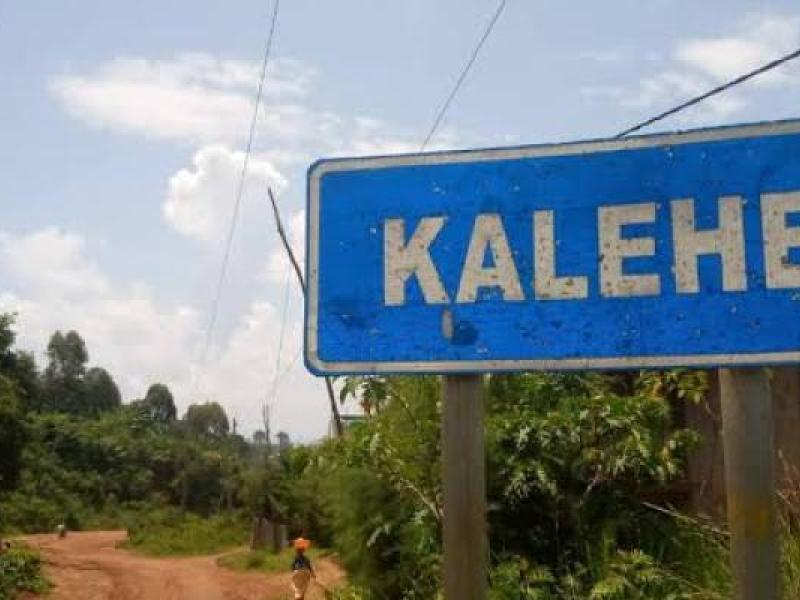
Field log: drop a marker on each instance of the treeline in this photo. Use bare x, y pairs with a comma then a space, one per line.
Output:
71, 451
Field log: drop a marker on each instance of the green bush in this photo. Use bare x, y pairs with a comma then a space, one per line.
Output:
375, 494
168, 532
573, 461
21, 571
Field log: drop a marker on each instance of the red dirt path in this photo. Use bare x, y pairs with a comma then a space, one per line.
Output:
89, 566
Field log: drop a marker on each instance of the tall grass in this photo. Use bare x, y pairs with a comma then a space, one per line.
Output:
169, 532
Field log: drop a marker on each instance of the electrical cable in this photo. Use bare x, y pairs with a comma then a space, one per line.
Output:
712, 92
465, 71
215, 304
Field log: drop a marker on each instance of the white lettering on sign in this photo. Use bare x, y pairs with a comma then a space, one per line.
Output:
727, 241
401, 260
779, 238
614, 248
546, 284
488, 232
406, 259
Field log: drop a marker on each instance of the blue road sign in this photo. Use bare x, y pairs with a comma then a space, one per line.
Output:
653, 251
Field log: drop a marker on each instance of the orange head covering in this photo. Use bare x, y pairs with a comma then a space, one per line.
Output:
302, 544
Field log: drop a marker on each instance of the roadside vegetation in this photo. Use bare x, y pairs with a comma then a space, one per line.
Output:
20, 571
585, 473
169, 532
584, 480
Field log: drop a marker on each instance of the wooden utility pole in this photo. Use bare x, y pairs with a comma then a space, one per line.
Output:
337, 417
464, 477
748, 439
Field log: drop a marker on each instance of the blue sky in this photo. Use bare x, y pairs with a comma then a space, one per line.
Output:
123, 126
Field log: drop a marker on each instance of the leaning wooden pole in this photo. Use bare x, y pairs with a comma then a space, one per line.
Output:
337, 418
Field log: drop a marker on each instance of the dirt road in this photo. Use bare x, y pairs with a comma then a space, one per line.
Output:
89, 566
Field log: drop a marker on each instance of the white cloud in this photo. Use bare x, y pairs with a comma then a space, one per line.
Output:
760, 41
52, 284
697, 65
200, 99
194, 97
200, 199
50, 262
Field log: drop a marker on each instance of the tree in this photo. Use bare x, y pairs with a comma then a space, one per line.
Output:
101, 394
26, 375
158, 404
63, 377
7, 336
19, 367
207, 420
12, 436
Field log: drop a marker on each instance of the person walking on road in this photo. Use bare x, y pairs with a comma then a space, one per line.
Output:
302, 571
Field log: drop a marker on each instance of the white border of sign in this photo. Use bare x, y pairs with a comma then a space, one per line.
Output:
320, 168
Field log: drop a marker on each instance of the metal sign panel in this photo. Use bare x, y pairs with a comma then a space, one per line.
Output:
652, 251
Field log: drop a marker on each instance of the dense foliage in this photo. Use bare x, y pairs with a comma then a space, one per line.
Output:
71, 452
580, 468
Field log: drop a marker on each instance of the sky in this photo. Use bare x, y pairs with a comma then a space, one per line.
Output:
124, 126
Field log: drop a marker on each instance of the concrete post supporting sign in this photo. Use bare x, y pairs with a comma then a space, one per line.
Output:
750, 482
464, 480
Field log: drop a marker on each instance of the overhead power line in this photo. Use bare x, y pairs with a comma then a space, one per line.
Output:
215, 303
712, 92
465, 71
